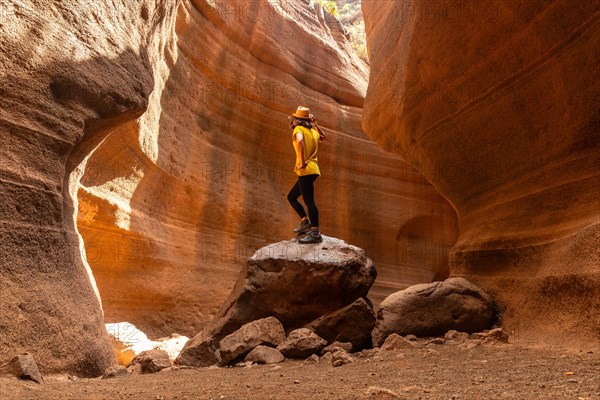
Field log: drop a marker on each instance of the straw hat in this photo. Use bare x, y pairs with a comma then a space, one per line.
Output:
302, 113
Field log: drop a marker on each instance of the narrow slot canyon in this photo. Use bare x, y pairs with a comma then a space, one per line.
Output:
147, 156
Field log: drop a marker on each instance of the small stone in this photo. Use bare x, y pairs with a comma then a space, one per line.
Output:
411, 337
151, 361
340, 358
115, 371
312, 360
23, 367
296, 381
496, 335
435, 341
301, 343
379, 393
456, 335
264, 355
327, 357
396, 342
346, 346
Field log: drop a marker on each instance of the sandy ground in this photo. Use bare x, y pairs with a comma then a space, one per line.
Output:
489, 371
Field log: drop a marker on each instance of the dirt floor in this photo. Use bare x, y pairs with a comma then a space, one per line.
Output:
488, 371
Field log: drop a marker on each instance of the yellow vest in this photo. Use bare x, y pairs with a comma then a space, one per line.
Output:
311, 147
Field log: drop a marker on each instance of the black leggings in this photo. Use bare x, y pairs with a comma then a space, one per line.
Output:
304, 187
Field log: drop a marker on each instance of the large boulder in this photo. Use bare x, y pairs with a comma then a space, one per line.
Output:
432, 309
352, 323
295, 283
267, 331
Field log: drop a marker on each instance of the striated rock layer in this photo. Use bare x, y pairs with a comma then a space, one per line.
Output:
169, 215
497, 105
70, 74
156, 133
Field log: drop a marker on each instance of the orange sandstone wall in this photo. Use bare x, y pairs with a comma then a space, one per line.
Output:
69, 71
496, 103
170, 215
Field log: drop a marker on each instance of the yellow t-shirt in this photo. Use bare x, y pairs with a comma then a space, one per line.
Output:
311, 147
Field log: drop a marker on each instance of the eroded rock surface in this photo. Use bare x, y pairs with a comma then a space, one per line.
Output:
497, 105
157, 130
201, 183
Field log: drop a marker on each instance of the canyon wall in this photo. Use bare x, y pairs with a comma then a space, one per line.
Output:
146, 154
70, 72
497, 104
167, 232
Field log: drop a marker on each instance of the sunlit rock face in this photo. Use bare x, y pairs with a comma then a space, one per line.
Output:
155, 133
497, 105
71, 73
171, 209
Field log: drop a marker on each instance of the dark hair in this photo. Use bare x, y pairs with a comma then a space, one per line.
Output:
303, 122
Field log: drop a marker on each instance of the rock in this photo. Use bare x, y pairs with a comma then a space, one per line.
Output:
327, 357
346, 346
434, 308
352, 323
529, 227
456, 336
151, 361
378, 393
491, 336
115, 372
340, 357
294, 283
367, 353
264, 355
301, 343
200, 351
396, 342
312, 360
438, 341
23, 367
267, 331
411, 337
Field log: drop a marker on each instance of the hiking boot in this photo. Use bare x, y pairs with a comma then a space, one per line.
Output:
311, 237
302, 228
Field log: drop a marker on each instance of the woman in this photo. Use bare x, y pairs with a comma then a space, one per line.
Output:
306, 136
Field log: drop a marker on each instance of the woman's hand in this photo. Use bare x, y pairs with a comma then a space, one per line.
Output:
312, 118
299, 166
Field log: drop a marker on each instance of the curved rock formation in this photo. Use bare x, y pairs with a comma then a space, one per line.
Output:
170, 214
70, 73
497, 105
157, 131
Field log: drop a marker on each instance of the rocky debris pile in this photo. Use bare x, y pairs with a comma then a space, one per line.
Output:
434, 308
265, 331
321, 287
23, 367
